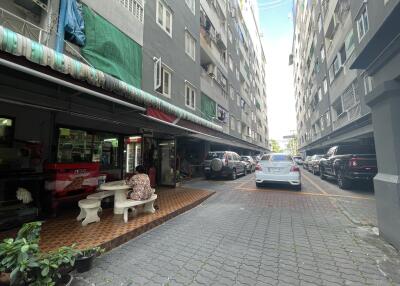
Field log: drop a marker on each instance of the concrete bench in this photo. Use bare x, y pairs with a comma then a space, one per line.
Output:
131, 204
100, 195
89, 211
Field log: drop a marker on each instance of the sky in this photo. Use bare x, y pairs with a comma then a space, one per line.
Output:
277, 28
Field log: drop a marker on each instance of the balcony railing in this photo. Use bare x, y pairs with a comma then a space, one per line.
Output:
23, 27
35, 33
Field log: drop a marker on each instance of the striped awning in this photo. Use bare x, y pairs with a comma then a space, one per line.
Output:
19, 45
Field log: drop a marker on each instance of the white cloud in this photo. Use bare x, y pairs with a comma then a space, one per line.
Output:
280, 92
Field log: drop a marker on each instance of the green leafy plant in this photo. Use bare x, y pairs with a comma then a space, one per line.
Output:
22, 258
93, 251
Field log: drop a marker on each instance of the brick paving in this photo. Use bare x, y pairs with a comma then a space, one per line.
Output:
111, 231
245, 236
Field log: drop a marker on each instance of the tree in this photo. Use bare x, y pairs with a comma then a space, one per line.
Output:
292, 146
275, 146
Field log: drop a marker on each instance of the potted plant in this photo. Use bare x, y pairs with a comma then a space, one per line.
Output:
24, 264
84, 260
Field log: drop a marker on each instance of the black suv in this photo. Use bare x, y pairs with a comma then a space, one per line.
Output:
225, 164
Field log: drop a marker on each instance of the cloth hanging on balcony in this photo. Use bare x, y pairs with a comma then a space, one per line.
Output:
110, 50
70, 25
208, 107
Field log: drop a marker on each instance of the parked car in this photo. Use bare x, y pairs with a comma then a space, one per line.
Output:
250, 163
256, 158
348, 163
298, 160
278, 168
224, 164
306, 161
313, 164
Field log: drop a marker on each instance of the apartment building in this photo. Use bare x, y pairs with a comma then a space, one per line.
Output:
128, 82
330, 95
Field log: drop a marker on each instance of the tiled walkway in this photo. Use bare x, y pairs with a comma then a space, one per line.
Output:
248, 236
111, 231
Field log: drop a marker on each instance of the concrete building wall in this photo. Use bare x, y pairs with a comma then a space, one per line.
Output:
157, 43
117, 14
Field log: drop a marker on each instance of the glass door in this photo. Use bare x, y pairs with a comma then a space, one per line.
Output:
133, 153
167, 162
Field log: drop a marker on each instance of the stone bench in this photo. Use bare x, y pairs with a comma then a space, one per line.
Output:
89, 211
131, 204
100, 195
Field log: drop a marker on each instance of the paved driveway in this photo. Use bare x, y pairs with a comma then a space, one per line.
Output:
248, 236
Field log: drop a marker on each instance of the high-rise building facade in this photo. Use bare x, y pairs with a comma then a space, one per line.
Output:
329, 93
126, 82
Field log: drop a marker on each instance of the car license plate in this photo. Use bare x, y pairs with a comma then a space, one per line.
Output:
207, 168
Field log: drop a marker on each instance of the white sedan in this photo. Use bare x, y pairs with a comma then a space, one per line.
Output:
278, 168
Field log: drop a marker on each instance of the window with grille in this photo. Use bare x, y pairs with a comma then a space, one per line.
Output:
135, 7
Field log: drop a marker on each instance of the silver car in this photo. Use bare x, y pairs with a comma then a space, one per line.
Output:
224, 164
278, 168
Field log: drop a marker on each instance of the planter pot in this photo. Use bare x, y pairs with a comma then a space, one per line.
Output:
4, 279
65, 280
83, 264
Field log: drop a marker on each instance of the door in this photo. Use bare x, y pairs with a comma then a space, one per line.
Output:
132, 153
167, 162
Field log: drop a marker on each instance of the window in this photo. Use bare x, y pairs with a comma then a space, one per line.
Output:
192, 5
6, 131
327, 119
230, 63
162, 79
331, 74
325, 86
75, 146
349, 43
320, 23
338, 107
337, 65
322, 54
239, 126
362, 23
319, 94
190, 45
367, 84
164, 18
231, 92
343, 55
190, 96
233, 123
135, 7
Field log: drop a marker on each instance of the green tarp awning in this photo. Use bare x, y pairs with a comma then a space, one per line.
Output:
110, 50
208, 107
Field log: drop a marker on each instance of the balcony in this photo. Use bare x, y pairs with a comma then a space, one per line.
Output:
35, 33
213, 90
24, 27
347, 117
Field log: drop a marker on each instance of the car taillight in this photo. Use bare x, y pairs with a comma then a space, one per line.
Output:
353, 163
258, 167
294, 169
